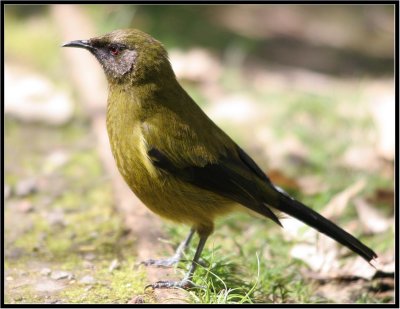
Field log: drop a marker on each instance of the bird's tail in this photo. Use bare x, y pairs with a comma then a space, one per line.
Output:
305, 214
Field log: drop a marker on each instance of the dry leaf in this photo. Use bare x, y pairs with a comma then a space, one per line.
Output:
370, 218
278, 178
361, 158
339, 202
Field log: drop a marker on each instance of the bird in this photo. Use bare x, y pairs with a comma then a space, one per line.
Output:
175, 159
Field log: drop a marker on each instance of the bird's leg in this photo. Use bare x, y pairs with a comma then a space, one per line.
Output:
168, 262
186, 282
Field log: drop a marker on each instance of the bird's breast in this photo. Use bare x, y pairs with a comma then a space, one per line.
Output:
129, 150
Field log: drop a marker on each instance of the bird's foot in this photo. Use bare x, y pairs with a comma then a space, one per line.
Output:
166, 284
161, 262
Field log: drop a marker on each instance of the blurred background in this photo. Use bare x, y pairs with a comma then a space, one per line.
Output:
307, 90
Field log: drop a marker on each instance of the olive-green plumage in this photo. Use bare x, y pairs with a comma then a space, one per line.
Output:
173, 157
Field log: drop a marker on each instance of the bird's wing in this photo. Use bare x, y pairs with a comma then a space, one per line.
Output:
230, 173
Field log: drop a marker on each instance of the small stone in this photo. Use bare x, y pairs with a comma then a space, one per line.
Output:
90, 256
114, 265
94, 235
9, 278
48, 286
137, 300
60, 274
56, 217
45, 271
87, 280
24, 206
26, 187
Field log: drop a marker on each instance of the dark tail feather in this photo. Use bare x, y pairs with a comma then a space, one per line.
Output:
298, 210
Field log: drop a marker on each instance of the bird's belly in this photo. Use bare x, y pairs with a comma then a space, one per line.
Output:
183, 203
162, 193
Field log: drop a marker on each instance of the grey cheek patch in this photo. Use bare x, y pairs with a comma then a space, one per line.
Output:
125, 63
119, 66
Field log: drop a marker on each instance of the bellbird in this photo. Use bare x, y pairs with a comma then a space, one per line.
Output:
178, 162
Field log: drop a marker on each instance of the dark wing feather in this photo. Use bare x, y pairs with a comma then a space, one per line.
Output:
222, 178
251, 164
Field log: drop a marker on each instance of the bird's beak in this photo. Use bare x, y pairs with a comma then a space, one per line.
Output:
79, 43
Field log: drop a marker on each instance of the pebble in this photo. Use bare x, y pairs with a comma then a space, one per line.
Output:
24, 206
48, 286
90, 256
60, 274
87, 280
94, 235
25, 187
56, 217
45, 271
137, 300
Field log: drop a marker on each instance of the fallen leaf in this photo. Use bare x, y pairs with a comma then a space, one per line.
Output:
361, 158
24, 206
339, 202
370, 218
280, 179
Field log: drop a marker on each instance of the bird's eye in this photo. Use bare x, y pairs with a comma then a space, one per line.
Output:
114, 50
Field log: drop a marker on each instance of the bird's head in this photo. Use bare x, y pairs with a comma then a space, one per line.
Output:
128, 55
